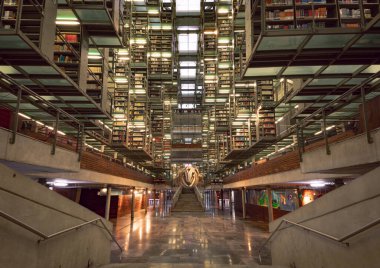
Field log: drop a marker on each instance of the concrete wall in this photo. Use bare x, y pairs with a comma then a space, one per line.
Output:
297, 247
19, 248
282, 177
96, 177
354, 151
33, 152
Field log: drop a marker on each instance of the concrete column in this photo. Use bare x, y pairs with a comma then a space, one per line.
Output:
133, 204
243, 201
222, 198
108, 203
146, 200
270, 204
154, 199
230, 196
77, 195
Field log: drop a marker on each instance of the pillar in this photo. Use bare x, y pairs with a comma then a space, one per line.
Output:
222, 198
154, 199
146, 200
108, 203
270, 204
243, 194
77, 195
133, 204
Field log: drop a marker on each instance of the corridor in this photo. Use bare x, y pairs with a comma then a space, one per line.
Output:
185, 239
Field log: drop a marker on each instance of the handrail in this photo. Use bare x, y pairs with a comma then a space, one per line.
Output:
336, 239
47, 237
199, 196
176, 196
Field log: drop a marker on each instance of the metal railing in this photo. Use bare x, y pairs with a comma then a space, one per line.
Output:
199, 196
342, 240
176, 196
46, 237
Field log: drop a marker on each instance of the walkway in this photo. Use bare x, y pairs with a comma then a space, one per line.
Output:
188, 240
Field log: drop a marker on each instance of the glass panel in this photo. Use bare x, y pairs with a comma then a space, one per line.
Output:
280, 43
341, 69
93, 16
54, 82
106, 41
372, 69
186, 6
188, 42
329, 41
26, 82
355, 81
368, 40
325, 82
8, 70
12, 42
39, 69
301, 70
265, 71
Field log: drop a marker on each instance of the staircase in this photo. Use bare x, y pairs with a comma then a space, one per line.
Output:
188, 202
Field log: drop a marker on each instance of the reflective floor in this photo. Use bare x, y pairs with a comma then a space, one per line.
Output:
215, 238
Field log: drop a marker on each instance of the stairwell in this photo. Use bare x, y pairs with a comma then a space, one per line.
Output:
188, 202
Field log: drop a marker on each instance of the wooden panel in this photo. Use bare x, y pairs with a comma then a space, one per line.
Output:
100, 164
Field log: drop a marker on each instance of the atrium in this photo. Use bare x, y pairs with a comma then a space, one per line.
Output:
189, 133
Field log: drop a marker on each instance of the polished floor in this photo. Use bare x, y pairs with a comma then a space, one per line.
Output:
213, 238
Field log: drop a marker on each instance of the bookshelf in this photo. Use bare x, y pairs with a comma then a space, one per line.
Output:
67, 53
311, 14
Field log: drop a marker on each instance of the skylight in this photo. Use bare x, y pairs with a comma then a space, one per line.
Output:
188, 42
187, 73
184, 6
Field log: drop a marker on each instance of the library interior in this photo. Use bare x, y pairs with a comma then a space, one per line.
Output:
189, 133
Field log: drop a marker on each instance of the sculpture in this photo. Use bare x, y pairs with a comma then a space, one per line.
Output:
188, 177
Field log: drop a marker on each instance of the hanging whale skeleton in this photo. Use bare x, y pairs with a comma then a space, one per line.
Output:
188, 177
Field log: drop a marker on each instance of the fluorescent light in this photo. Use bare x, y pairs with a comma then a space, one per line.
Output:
60, 183
67, 22
210, 32
121, 80
317, 184
94, 57
296, 107
62, 133
24, 115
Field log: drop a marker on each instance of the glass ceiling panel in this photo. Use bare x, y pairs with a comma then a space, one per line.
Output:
12, 42
265, 71
372, 69
55, 82
325, 82
281, 43
188, 42
368, 40
8, 70
301, 70
355, 81
27, 82
187, 63
39, 69
341, 69
7, 96
187, 73
93, 15
186, 6
329, 41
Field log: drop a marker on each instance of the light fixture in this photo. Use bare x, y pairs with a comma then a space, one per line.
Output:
67, 22
121, 80
24, 115
60, 183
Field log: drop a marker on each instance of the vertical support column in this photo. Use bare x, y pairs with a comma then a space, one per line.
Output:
55, 134
230, 196
108, 203
299, 197
249, 133
77, 195
154, 199
325, 132
270, 204
15, 118
365, 118
243, 201
222, 198
299, 143
133, 204
146, 200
